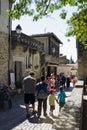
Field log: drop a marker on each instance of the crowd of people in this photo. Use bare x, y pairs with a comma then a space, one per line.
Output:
43, 90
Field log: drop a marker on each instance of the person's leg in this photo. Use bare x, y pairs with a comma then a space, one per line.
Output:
50, 110
44, 106
59, 109
32, 100
33, 106
39, 107
60, 106
26, 101
27, 108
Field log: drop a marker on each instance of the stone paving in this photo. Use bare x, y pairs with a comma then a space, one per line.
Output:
69, 118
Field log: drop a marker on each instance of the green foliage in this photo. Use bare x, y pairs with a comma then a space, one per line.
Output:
21, 8
63, 14
77, 24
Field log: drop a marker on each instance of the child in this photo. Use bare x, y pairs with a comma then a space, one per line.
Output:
52, 99
61, 97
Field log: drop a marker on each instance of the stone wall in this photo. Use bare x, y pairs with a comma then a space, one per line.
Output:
84, 109
82, 67
4, 58
68, 69
18, 55
4, 18
82, 61
70, 117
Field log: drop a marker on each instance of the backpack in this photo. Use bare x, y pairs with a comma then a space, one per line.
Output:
42, 94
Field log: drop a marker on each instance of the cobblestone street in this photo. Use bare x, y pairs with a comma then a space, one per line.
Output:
15, 118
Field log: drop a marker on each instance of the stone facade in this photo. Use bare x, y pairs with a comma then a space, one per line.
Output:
68, 69
25, 55
4, 41
4, 54
4, 19
50, 58
24, 62
82, 62
63, 60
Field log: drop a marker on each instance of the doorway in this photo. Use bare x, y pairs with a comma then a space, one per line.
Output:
51, 69
18, 71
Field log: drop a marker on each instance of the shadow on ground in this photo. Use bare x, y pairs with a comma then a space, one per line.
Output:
12, 118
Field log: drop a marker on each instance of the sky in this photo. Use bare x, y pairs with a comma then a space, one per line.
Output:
53, 24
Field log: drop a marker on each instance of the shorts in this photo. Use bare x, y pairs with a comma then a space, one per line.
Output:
52, 107
61, 104
29, 98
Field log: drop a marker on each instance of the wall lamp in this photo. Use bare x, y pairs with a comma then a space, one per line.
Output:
18, 29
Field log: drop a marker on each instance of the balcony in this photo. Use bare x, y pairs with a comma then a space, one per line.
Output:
26, 41
52, 59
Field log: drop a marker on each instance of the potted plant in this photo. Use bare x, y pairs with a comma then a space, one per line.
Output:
18, 85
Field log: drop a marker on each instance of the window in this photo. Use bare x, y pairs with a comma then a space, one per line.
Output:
28, 61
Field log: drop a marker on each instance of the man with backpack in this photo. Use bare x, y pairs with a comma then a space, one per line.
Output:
42, 93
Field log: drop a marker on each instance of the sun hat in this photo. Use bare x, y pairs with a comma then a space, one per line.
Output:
52, 90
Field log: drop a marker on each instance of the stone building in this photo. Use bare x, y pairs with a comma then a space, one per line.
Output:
25, 56
63, 59
16, 57
68, 69
50, 57
4, 41
66, 66
19, 55
82, 62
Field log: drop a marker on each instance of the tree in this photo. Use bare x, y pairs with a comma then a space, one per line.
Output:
77, 24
